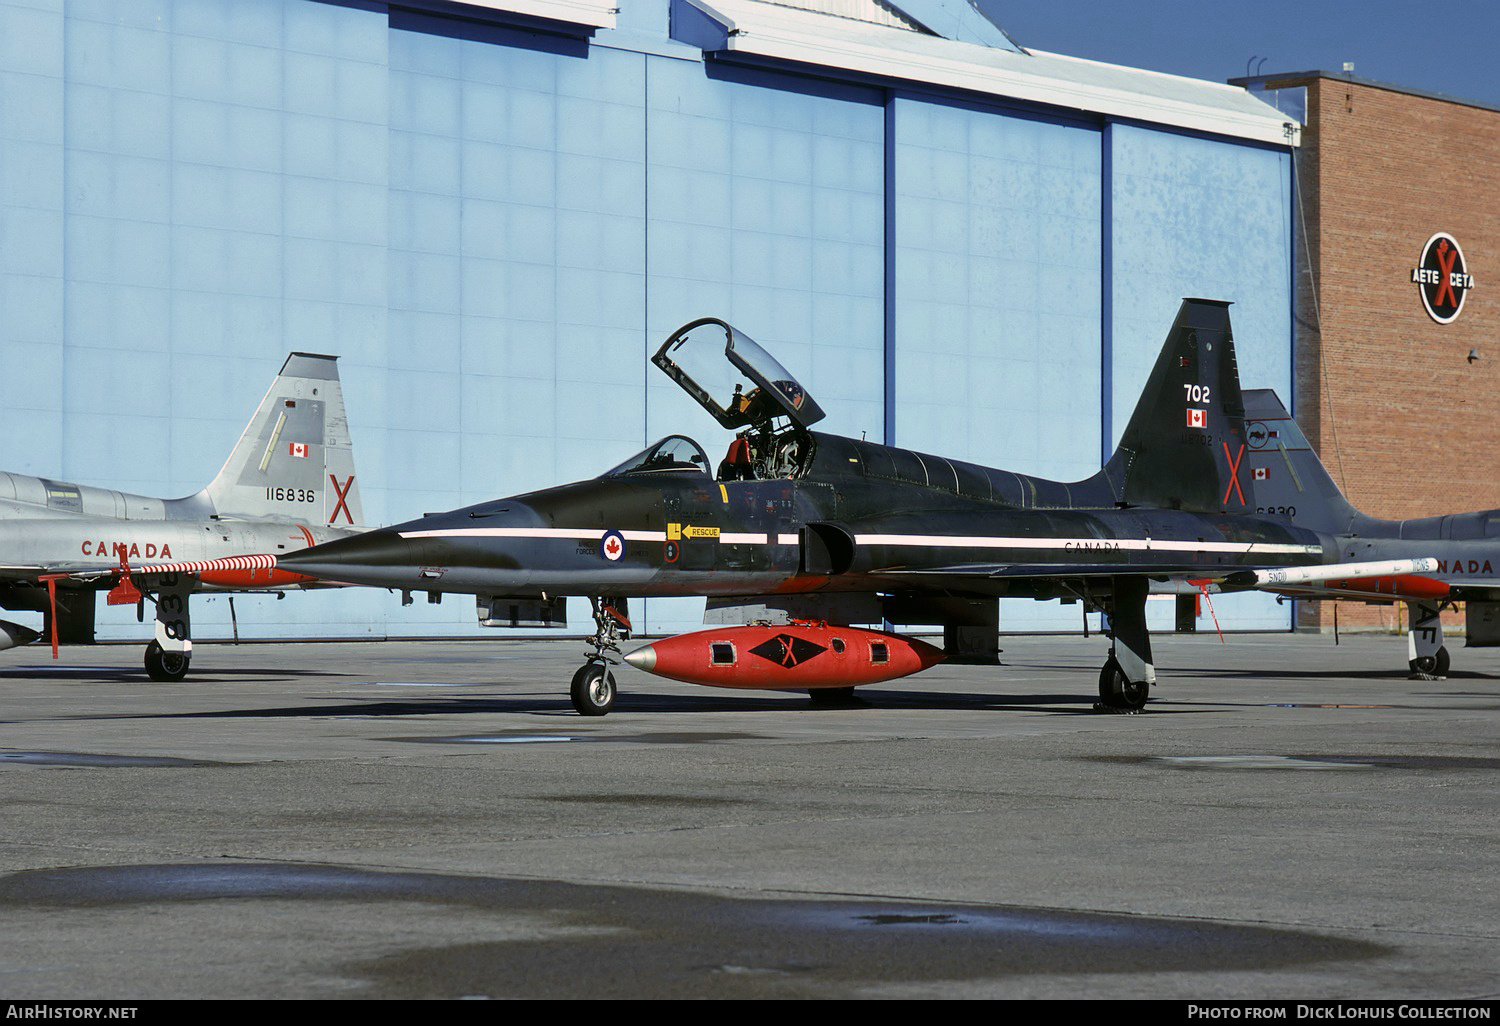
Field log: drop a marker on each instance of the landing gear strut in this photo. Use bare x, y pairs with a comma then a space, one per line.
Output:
1427, 655
168, 656
593, 687
1126, 678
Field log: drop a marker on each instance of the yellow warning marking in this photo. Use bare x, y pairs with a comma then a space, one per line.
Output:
724, 494
674, 532
700, 532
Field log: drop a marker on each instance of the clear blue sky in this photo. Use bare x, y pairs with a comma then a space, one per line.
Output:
1448, 46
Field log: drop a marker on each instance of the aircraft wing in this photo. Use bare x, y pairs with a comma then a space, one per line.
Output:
1477, 591
974, 573
23, 573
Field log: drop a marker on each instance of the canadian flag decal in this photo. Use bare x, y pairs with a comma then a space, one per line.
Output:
299, 450
1197, 418
1262, 473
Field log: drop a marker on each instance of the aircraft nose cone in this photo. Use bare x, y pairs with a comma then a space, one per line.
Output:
377, 557
643, 658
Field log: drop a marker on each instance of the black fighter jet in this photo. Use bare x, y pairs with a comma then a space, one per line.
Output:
816, 529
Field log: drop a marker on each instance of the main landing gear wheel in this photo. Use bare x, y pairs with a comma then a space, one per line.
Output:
1435, 665
593, 690
1116, 691
823, 698
166, 666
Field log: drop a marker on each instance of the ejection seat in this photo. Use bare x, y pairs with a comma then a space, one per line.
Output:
736, 465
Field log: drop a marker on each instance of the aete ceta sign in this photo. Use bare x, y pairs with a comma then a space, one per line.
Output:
1442, 278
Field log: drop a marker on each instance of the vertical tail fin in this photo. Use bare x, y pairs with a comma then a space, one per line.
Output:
1184, 447
295, 458
1290, 479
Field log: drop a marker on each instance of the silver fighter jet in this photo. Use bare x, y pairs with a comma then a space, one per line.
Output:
288, 484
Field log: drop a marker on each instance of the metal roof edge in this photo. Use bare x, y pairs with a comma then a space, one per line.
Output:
802, 37
591, 13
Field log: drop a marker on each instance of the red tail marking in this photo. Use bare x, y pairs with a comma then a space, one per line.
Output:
1234, 474
343, 496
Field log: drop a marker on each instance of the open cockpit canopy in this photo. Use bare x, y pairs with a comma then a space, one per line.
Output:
712, 361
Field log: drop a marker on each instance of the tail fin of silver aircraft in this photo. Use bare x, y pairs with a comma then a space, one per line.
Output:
1185, 445
295, 458
1290, 479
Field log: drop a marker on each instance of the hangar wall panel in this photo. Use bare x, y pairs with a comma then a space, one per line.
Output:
765, 208
516, 339
33, 156
997, 288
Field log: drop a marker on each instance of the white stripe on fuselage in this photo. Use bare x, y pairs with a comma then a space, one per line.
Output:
1081, 544
532, 532
927, 540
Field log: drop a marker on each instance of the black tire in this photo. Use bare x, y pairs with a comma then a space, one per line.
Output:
823, 698
1435, 665
1118, 691
593, 690
164, 666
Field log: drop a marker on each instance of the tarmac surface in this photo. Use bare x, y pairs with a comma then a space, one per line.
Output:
1288, 819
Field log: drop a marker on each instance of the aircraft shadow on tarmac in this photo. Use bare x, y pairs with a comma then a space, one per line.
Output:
1352, 674
646, 702
133, 675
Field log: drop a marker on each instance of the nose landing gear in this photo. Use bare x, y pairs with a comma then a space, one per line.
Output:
593, 687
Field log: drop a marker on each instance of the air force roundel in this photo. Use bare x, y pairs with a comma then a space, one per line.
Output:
612, 546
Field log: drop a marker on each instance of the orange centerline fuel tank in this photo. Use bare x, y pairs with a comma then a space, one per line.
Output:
796, 656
